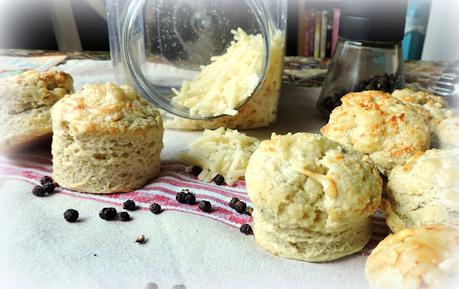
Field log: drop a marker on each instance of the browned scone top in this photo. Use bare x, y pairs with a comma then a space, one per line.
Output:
26, 99
375, 123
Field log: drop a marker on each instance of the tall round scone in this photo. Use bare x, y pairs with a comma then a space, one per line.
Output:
420, 258
25, 102
106, 139
424, 191
313, 197
389, 130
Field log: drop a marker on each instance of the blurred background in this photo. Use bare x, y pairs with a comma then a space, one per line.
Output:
431, 29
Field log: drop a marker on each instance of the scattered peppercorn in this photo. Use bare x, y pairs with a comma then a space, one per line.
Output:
140, 239
108, 214
71, 215
180, 197
45, 180
249, 211
205, 206
233, 202
246, 229
124, 216
240, 207
219, 180
190, 198
155, 208
129, 205
195, 170
49, 187
38, 191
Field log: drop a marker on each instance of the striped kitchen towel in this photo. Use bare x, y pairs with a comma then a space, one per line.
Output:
172, 179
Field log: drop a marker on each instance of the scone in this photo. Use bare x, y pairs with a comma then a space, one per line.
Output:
106, 139
26, 100
313, 197
436, 106
446, 134
389, 130
420, 258
424, 191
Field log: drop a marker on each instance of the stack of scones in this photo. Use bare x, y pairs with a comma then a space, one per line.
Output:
314, 194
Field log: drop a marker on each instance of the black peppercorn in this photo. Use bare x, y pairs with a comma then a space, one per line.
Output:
108, 214
45, 180
240, 207
48, 187
219, 180
155, 208
246, 229
180, 197
124, 216
205, 206
232, 202
190, 198
195, 170
38, 191
129, 205
71, 215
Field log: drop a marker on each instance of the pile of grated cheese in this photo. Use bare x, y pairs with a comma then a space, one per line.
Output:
221, 151
227, 81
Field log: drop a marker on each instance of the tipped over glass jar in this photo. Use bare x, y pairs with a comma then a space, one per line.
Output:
205, 63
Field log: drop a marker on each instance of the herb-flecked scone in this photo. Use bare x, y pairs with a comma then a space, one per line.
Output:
106, 139
373, 122
26, 99
424, 191
436, 106
313, 197
425, 257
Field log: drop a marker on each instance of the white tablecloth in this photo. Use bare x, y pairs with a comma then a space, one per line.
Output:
39, 249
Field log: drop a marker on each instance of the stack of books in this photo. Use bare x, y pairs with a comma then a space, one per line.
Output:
320, 32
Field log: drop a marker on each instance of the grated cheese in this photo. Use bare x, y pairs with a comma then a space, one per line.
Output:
221, 151
227, 81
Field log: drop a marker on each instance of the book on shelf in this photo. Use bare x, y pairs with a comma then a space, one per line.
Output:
317, 23
319, 32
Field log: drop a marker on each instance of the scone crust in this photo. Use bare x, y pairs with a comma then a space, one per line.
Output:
26, 100
33, 89
436, 106
424, 257
424, 191
446, 134
375, 123
308, 183
106, 140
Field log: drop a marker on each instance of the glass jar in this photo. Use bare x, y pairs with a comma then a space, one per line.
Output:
358, 66
163, 47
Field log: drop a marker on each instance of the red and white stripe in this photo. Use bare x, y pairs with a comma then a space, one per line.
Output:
162, 190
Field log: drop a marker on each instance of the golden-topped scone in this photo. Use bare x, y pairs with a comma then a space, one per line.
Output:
373, 122
424, 191
436, 106
446, 134
26, 99
313, 197
420, 258
106, 139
